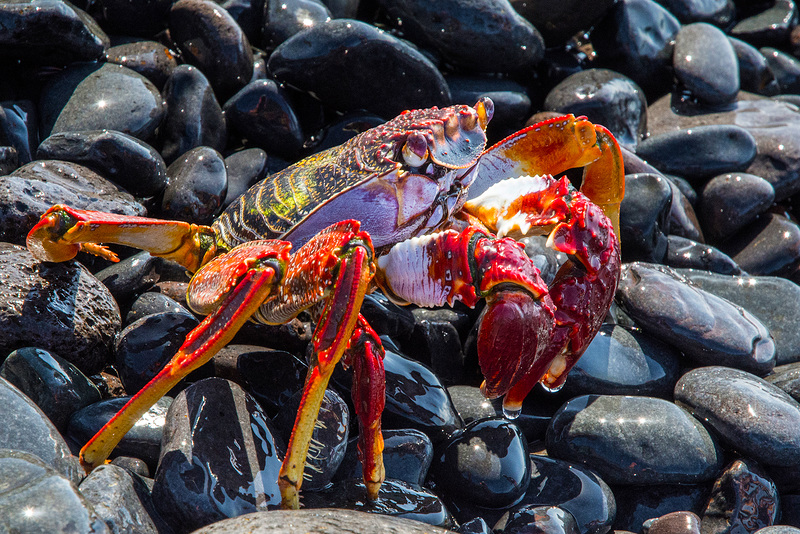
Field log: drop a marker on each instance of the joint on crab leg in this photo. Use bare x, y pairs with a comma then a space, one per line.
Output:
604, 179
211, 335
63, 231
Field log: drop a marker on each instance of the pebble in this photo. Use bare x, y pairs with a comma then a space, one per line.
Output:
130, 277
688, 254
638, 504
717, 12
644, 217
647, 441
407, 456
271, 389
748, 414
437, 343
197, 186
283, 18
707, 329
743, 499
146, 17
18, 128
785, 68
673, 523
768, 247
558, 21
712, 78
387, 318
511, 101
731, 202
769, 27
755, 74
150, 303
152, 60
244, 168
545, 519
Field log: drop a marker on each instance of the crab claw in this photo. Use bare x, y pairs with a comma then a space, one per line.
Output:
512, 337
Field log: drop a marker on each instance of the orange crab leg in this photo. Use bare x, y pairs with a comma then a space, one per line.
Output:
263, 262
64, 231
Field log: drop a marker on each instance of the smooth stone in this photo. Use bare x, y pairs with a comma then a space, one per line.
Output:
775, 125
673, 523
197, 185
730, 202
436, 342
743, 499
755, 74
51, 32
319, 521
25, 428
261, 113
718, 12
143, 441
387, 318
633, 440
624, 361
284, 18
210, 39
274, 389
770, 246
350, 65
512, 104
770, 27
121, 499
775, 301
9, 160
604, 97
779, 529
790, 515
215, 432
558, 21
476, 525
248, 15
341, 130
785, 68
129, 277
706, 64
100, 96
546, 259
748, 414
638, 504
636, 39
687, 254
19, 128
35, 498
544, 519
56, 386
128, 162
244, 169
28, 192
407, 456
708, 329
146, 346
135, 466
644, 217
700, 152
59, 307
194, 116
486, 464
491, 36
395, 498
786, 377
135, 17
683, 219
152, 60
150, 303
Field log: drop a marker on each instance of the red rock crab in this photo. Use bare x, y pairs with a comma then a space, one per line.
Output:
416, 207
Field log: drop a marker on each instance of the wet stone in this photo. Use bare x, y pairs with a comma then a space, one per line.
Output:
474, 526
386, 317
700, 152
435, 341
118, 157
97, 96
328, 441
486, 464
604, 97
143, 441
636, 39
33, 188
683, 219
215, 432
131, 276
145, 346
197, 186
775, 301
19, 128
133, 465
407, 456
730, 202
35, 498
688, 254
24, 427
771, 27
785, 68
673, 523
750, 415
9, 160
152, 60
743, 499
282, 19
150, 303
779, 529
395, 498
261, 113
511, 101
541, 519
135, 17
625, 361
558, 21
351, 65
633, 440
58, 307
755, 74
194, 117
121, 499
638, 504
546, 259
56, 386
644, 216
709, 330
492, 36
339, 131
51, 32
210, 39
244, 169
770, 246
706, 64
717, 12
275, 388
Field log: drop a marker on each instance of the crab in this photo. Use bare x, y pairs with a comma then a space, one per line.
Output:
416, 207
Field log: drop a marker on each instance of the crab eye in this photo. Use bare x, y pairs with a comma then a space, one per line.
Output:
415, 151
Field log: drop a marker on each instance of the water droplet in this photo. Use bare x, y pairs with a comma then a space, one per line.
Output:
552, 390
512, 412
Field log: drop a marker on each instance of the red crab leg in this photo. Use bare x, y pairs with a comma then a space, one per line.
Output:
259, 267
63, 231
